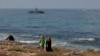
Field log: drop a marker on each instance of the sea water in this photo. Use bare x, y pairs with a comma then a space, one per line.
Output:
75, 28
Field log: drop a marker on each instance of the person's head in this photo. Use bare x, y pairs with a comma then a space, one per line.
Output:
42, 36
49, 38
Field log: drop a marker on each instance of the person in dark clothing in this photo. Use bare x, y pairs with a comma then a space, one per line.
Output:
48, 44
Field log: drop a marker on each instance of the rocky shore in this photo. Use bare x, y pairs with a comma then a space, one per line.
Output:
11, 48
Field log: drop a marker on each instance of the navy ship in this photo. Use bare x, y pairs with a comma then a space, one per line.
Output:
36, 11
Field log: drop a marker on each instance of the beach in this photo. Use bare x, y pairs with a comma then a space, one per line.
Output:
74, 32
75, 28
11, 48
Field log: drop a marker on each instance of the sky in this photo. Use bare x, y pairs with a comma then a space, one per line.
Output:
51, 4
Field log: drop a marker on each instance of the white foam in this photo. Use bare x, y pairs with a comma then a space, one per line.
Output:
3, 36
85, 39
36, 36
25, 35
58, 43
35, 41
29, 35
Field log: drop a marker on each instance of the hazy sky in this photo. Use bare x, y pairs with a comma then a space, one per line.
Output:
62, 4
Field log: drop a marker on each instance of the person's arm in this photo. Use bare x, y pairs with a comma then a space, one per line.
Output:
46, 44
39, 41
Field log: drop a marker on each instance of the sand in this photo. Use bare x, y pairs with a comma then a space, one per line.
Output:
9, 48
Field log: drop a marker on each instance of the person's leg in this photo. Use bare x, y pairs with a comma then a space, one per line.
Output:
42, 47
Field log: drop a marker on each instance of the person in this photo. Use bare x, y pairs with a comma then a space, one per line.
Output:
42, 42
48, 44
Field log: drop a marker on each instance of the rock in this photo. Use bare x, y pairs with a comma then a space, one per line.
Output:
10, 38
90, 50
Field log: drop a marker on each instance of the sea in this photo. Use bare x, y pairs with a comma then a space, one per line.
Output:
69, 28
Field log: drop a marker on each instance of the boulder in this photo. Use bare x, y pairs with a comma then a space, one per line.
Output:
10, 38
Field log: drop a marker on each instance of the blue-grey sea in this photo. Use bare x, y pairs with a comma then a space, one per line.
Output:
70, 28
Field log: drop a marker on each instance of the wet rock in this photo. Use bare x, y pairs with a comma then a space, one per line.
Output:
10, 38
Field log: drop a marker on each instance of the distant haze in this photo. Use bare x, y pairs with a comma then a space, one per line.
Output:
51, 4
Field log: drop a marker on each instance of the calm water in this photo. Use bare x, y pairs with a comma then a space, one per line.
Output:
69, 28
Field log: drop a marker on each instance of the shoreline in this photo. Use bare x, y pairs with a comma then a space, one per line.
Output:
12, 48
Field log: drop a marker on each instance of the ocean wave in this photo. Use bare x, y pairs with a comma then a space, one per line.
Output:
28, 35
84, 39
56, 43
3, 36
61, 43
25, 35
71, 45
35, 41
